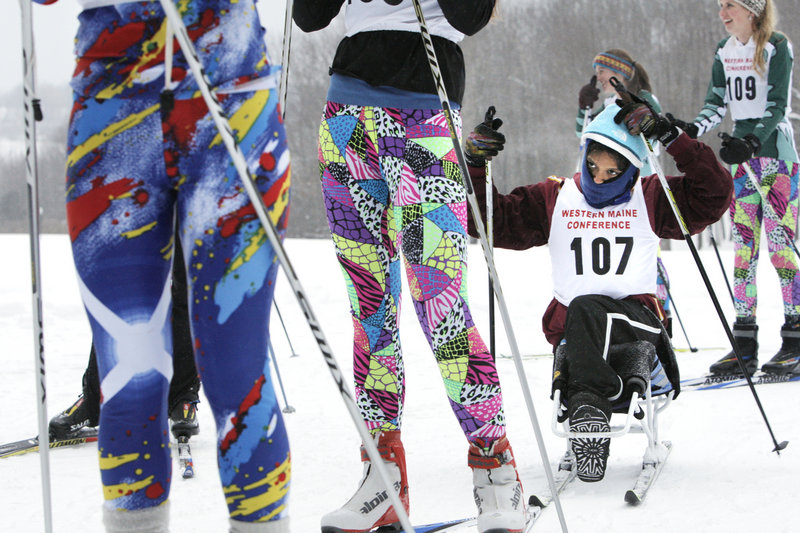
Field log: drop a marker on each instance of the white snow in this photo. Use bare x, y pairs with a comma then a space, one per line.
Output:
720, 476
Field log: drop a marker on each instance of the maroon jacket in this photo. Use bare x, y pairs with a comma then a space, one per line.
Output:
522, 217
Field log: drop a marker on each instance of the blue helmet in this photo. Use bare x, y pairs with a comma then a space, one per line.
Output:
615, 136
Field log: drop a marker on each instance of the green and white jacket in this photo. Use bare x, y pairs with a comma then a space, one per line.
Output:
758, 104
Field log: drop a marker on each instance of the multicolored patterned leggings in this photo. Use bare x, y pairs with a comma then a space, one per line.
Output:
391, 185
778, 181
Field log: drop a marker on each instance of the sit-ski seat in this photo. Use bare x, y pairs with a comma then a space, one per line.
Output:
646, 403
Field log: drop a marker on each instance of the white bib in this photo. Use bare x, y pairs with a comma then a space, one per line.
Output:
745, 89
372, 15
610, 251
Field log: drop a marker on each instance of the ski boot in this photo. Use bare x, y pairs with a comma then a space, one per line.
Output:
69, 423
787, 360
370, 507
589, 413
497, 489
183, 420
746, 337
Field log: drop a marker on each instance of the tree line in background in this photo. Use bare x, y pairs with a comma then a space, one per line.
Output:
529, 63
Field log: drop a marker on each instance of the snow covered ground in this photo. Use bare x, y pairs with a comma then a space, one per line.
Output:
721, 475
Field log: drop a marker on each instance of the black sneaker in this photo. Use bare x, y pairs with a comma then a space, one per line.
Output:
591, 454
184, 420
72, 420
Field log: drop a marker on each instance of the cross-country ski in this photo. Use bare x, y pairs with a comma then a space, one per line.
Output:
715, 382
24, 446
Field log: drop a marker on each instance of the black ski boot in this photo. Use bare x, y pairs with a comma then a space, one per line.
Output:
746, 337
69, 423
589, 413
183, 418
787, 360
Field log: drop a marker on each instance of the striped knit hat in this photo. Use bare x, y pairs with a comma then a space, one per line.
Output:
754, 6
617, 64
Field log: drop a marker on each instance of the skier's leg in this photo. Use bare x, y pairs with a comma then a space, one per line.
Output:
746, 212
356, 185
780, 185
430, 207
184, 389
231, 268
357, 200
119, 211
83, 412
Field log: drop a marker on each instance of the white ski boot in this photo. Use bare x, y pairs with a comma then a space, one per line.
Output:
370, 507
498, 492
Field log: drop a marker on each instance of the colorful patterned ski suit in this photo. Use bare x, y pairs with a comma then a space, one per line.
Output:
760, 104
778, 181
392, 185
139, 156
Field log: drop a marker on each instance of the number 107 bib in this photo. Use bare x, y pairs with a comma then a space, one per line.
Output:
610, 251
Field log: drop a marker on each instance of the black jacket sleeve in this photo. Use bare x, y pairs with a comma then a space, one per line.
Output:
313, 15
467, 16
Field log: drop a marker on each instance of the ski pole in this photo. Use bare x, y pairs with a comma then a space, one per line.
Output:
663, 275
271, 354
283, 325
721, 266
688, 238
33, 114
287, 45
587, 118
487, 252
237, 158
767, 206
490, 237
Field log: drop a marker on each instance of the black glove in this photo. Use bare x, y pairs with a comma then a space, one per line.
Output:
735, 150
639, 117
588, 94
484, 142
688, 128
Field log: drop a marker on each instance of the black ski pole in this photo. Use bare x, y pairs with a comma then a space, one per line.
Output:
663, 275
436, 72
721, 266
283, 325
240, 163
271, 354
490, 239
33, 114
285, 51
688, 238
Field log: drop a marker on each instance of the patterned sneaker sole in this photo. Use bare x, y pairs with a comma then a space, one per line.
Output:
591, 454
